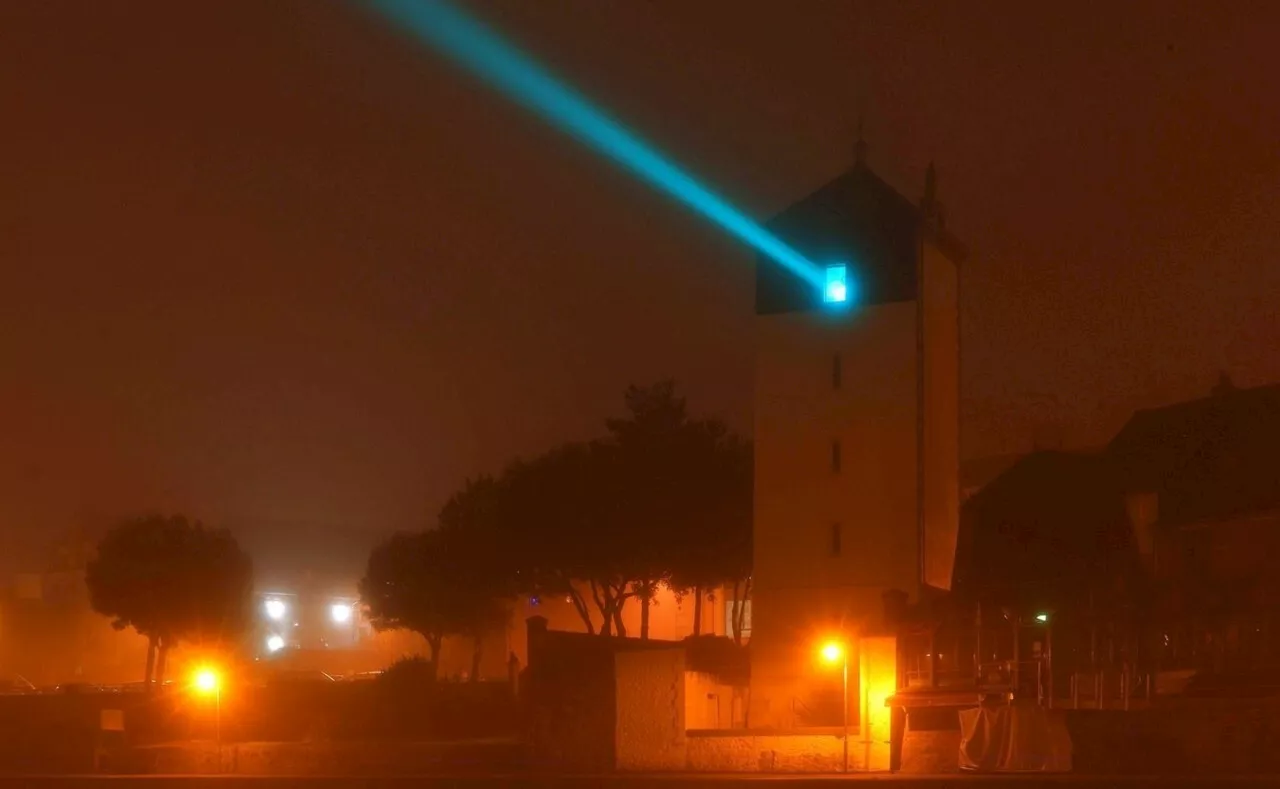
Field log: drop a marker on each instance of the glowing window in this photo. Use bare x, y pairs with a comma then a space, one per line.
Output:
836, 289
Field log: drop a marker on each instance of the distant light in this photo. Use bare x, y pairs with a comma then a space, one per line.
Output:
534, 600
836, 289
206, 680
276, 609
832, 651
1042, 617
275, 643
340, 612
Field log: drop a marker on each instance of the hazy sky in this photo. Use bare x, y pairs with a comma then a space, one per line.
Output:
273, 265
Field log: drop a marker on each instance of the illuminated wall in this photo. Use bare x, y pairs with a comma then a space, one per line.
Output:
804, 589
856, 436
941, 369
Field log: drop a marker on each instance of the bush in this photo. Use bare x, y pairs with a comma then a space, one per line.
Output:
413, 671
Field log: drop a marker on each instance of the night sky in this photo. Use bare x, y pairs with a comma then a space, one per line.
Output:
275, 266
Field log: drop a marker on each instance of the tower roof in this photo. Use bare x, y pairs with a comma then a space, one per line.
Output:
861, 221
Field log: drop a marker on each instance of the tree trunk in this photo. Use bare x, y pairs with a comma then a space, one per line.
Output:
580, 606
151, 662
162, 660
619, 603
475, 658
646, 599
740, 595
433, 644
697, 611
601, 597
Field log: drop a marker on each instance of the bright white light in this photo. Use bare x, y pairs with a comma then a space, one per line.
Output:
340, 612
276, 609
275, 643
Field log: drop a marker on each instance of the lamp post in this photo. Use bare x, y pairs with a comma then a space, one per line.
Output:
208, 682
832, 652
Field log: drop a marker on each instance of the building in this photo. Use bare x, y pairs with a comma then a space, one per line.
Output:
1159, 551
1203, 494
856, 430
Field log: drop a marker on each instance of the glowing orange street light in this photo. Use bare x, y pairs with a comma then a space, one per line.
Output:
206, 681
834, 652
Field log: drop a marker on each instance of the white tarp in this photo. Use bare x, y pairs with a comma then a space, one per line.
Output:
1013, 738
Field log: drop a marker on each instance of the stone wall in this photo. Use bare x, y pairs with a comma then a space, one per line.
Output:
650, 731
728, 751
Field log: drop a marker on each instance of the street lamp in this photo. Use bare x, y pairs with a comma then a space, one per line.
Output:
834, 652
207, 683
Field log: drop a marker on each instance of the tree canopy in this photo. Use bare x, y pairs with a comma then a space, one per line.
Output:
433, 583
172, 580
661, 498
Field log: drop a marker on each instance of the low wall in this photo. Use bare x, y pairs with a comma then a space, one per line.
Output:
1190, 736
809, 752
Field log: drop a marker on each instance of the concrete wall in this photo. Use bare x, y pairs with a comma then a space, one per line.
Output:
569, 696
712, 704
650, 730
802, 590
941, 388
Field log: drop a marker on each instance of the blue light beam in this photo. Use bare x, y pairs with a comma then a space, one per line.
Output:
471, 44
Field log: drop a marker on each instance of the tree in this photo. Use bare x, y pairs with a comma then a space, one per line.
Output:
662, 498
557, 520
171, 580
433, 584
688, 494
713, 549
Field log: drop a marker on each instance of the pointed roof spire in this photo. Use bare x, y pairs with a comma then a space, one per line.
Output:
860, 148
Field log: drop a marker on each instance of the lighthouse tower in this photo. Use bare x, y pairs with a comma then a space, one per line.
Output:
856, 432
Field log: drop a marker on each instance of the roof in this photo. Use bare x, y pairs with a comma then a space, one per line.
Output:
857, 219
975, 473
1043, 527
1208, 458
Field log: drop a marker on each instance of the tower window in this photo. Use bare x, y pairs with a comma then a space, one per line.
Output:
836, 287
835, 539
835, 455
836, 372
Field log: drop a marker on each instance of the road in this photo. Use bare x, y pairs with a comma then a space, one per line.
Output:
622, 781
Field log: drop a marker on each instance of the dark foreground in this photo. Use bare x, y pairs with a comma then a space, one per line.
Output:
620, 781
